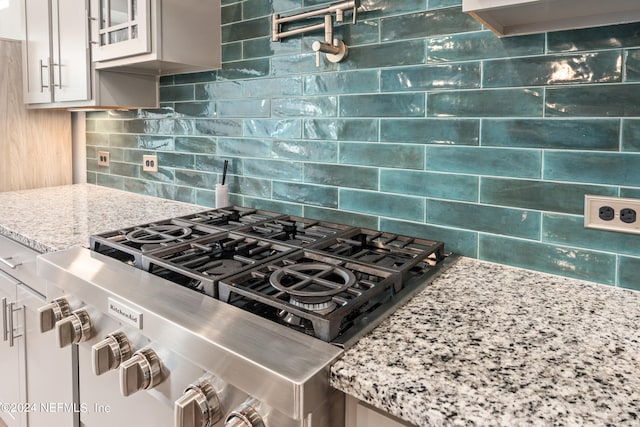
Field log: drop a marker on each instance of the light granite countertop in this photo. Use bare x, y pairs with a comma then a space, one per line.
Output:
55, 218
484, 344
491, 345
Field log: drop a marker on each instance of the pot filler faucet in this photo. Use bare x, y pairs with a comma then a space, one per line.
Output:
334, 48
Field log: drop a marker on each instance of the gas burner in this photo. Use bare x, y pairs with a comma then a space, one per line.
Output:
315, 293
408, 255
293, 230
312, 283
129, 244
229, 218
200, 263
157, 234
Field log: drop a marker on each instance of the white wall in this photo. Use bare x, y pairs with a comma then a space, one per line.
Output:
11, 19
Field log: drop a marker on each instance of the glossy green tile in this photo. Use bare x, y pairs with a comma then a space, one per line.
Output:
213, 91
576, 134
177, 93
218, 127
244, 147
194, 109
122, 141
594, 101
594, 67
260, 88
596, 168
569, 230
462, 242
315, 195
262, 47
629, 271
435, 4
124, 169
430, 184
97, 139
299, 64
342, 176
341, 217
310, 106
231, 52
273, 169
608, 37
383, 105
166, 143
485, 161
256, 8
562, 260
489, 219
270, 128
341, 129
245, 108
383, 155
231, 13
174, 192
252, 187
539, 195
312, 151
108, 126
486, 103
631, 135
427, 24
633, 65
246, 29
196, 179
150, 126
633, 193
371, 9
431, 131
215, 164
177, 160
337, 83
111, 181
251, 68
386, 205
409, 52
193, 144
431, 77
184, 79
273, 206
164, 175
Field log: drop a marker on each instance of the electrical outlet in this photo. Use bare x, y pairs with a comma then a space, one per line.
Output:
150, 163
612, 213
103, 158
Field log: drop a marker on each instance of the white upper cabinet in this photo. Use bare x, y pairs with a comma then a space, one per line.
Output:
158, 37
516, 17
57, 68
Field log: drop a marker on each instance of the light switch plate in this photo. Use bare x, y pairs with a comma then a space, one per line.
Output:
150, 163
103, 158
612, 214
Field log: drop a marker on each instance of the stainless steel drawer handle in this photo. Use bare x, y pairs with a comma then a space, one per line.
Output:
7, 322
8, 263
5, 332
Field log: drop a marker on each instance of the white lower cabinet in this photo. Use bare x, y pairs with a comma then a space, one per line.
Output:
360, 414
36, 377
11, 369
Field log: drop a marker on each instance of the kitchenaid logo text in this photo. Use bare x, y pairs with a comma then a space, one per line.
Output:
124, 313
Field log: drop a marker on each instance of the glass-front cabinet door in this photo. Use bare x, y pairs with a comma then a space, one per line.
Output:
120, 28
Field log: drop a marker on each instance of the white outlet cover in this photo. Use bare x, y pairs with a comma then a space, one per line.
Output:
103, 158
592, 205
150, 163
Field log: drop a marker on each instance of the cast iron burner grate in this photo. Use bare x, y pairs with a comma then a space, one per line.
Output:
230, 218
311, 292
406, 255
129, 244
293, 230
199, 264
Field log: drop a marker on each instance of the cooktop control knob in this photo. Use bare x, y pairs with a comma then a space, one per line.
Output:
198, 407
74, 328
52, 313
109, 353
142, 371
244, 416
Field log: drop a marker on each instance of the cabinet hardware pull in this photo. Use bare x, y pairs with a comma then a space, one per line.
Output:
42, 85
10, 321
5, 334
8, 263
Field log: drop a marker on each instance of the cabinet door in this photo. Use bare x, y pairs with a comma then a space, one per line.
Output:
10, 368
37, 52
49, 380
70, 47
122, 28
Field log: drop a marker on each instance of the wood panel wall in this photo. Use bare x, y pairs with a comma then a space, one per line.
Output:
35, 145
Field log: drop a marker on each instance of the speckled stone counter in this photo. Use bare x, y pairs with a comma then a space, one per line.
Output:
54, 218
487, 345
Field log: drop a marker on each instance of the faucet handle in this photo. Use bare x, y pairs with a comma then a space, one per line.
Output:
355, 14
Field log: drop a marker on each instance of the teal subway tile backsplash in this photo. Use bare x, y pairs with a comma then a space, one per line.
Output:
432, 127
